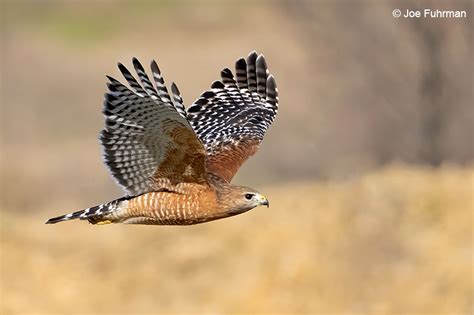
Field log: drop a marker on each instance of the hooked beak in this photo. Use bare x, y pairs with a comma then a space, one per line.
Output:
264, 202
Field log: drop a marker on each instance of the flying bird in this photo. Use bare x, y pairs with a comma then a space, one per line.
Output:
176, 165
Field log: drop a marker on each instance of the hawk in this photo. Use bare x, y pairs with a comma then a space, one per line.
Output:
176, 165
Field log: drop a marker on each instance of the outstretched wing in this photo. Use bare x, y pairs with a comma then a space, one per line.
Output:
147, 141
232, 117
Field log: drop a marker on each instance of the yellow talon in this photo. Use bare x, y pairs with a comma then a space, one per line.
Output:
103, 222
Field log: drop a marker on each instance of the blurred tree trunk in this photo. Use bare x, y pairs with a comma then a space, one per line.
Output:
431, 91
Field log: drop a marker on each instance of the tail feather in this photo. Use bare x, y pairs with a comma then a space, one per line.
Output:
93, 214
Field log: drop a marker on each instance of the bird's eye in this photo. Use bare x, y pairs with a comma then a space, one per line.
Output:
248, 196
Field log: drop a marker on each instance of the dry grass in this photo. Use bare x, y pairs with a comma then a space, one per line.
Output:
395, 241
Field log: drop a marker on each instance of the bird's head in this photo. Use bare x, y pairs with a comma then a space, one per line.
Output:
238, 199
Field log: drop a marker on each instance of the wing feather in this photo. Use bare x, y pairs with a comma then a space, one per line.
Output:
232, 117
160, 83
177, 100
148, 143
148, 86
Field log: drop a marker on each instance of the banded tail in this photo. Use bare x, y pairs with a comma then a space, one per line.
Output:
95, 215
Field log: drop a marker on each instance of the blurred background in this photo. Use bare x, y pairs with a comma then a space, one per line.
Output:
368, 166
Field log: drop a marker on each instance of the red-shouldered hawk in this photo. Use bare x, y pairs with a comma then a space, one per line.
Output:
176, 165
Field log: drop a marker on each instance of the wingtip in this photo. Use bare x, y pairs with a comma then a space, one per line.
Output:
50, 221
261, 58
174, 88
136, 63
217, 85
240, 63
251, 59
227, 73
253, 53
154, 66
261, 62
111, 79
271, 81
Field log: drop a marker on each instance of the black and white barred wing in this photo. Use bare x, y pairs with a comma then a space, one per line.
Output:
232, 117
147, 141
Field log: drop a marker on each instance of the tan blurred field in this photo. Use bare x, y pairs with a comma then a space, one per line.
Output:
358, 223
394, 241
